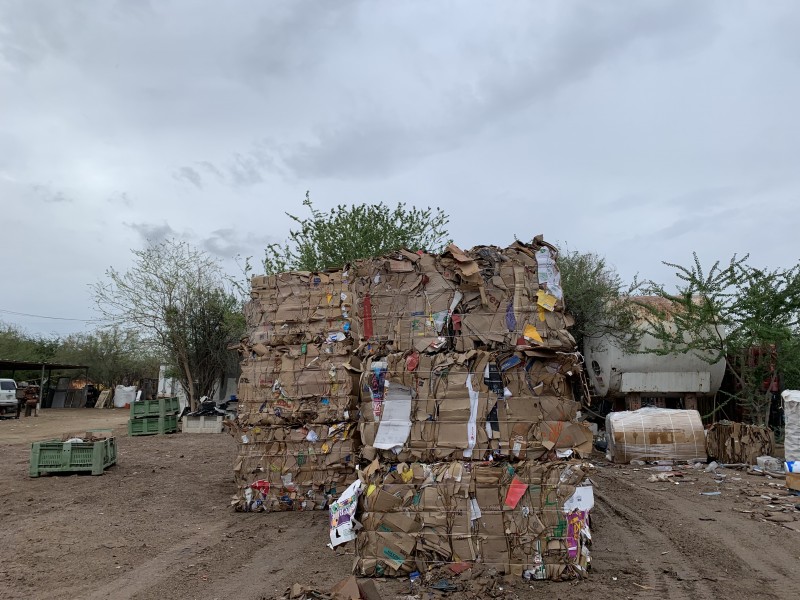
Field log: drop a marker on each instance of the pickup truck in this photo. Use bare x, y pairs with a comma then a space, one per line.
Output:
8, 397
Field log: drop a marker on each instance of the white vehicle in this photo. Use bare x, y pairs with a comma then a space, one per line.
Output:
8, 396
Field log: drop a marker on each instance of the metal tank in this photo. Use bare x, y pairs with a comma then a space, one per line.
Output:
616, 374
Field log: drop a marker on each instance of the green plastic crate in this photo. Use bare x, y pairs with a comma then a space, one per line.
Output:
161, 407
55, 456
153, 425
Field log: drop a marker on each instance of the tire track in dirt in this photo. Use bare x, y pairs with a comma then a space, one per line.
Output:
159, 567
649, 545
258, 555
727, 549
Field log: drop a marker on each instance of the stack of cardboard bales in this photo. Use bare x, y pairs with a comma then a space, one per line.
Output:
450, 372
298, 394
467, 360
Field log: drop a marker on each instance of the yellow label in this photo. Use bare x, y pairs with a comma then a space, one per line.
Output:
326, 448
530, 332
541, 313
371, 489
545, 300
329, 296
407, 475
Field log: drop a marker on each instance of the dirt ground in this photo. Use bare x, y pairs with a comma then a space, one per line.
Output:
158, 525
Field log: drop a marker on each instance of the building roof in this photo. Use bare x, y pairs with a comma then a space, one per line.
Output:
6, 365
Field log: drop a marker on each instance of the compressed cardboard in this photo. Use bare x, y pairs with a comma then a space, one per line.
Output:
459, 514
655, 434
476, 340
459, 412
728, 442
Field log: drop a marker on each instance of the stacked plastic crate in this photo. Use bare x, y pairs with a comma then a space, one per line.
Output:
151, 417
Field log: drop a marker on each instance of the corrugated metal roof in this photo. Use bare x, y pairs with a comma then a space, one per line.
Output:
26, 364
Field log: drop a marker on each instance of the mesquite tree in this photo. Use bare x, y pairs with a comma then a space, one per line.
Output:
332, 239
180, 301
745, 315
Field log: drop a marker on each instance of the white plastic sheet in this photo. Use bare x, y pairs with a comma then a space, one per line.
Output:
395, 425
655, 434
791, 412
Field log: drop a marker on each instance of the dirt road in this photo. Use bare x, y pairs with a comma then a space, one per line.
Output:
159, 526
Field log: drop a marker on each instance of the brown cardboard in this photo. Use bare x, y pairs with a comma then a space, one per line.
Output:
655, 434
346, 589
739, 442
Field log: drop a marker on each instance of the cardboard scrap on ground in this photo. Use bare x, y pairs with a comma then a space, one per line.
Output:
347, 589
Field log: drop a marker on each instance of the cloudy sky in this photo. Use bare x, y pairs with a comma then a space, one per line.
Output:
642, 130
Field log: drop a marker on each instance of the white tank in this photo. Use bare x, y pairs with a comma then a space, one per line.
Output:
614, 373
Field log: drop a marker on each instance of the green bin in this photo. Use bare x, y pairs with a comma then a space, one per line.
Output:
160, 407
153, 425
55, 456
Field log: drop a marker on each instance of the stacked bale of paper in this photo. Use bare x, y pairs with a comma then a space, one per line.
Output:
486, 298
462, 356
475, 405
298, 394
527, 518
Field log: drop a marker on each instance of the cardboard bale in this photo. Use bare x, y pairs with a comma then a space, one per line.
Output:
471, 405
527, 518
729, 442
298, 385
486, 297
298, 307
281, 468
655, 434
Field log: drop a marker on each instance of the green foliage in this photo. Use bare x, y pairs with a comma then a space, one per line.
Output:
747, 316
114, 356
333, 239
598, 299
182, 304
16, 344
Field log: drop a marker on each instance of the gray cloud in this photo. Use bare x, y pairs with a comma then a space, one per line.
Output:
370, 143
49, 195
190, 175
243, 169
230, 243
152, 232
121, 199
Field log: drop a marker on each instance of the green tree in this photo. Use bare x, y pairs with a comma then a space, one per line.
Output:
180, 301
114, 355
17, 344
747, 316
598, 299
332, 239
